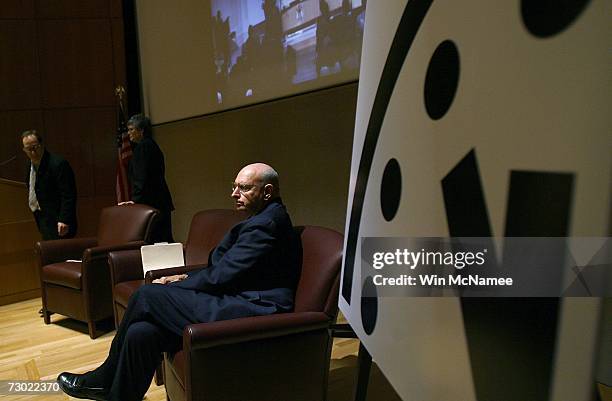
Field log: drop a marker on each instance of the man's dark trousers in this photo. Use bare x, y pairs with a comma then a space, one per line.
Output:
153, 323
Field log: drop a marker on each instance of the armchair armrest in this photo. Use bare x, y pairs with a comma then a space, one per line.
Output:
102, 251
207, 335
170, 271
125, 265
55, 251
288, 345
95, 262
96, 277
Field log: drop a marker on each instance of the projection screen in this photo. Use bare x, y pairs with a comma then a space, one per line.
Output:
202, 56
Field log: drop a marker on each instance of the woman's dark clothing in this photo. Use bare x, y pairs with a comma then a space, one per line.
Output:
147, 176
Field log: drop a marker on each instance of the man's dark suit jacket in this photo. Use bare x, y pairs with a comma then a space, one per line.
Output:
56, 193
147, 175
253, 271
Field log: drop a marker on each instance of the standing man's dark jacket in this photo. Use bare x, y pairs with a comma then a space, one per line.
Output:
56, 194
147, 175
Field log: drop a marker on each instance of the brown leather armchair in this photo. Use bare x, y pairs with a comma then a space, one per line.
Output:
276, 357
205, 232
81, 290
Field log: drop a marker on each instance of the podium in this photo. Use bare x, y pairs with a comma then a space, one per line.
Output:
18, 234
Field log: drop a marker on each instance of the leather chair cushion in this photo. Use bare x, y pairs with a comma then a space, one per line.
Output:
124, 290
67, 274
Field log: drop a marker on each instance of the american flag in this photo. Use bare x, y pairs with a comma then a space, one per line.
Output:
124, 151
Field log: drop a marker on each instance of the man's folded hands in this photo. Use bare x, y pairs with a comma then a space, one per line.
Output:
169, 279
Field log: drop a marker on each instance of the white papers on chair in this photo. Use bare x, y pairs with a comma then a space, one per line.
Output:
161, 256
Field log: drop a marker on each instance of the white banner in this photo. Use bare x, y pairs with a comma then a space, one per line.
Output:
480, 119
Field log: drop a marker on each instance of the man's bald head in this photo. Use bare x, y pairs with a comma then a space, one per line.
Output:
254, 187
264, 174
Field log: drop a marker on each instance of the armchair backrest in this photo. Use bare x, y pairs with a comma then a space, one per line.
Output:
317, 289
206, 231
121, 224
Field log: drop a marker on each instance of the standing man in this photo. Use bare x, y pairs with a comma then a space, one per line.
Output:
253, 271
147, 174
51, 189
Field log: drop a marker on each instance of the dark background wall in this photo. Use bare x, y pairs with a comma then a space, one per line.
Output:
306, 138
60, 62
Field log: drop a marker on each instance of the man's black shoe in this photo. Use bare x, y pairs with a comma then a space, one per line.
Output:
71, 384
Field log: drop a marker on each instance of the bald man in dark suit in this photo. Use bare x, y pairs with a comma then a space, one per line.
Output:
253, 271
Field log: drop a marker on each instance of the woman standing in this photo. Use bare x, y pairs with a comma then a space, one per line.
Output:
147, 176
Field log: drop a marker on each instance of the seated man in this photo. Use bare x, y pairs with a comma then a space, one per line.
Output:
253, 271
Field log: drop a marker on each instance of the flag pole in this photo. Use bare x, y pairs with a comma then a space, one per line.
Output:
124, 149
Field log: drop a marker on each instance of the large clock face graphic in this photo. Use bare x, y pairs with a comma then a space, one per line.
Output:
476, 119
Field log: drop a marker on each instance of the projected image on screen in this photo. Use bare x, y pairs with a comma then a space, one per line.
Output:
271, 48
203, 56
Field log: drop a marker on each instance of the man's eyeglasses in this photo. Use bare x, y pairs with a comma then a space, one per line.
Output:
32, 148
242, 188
